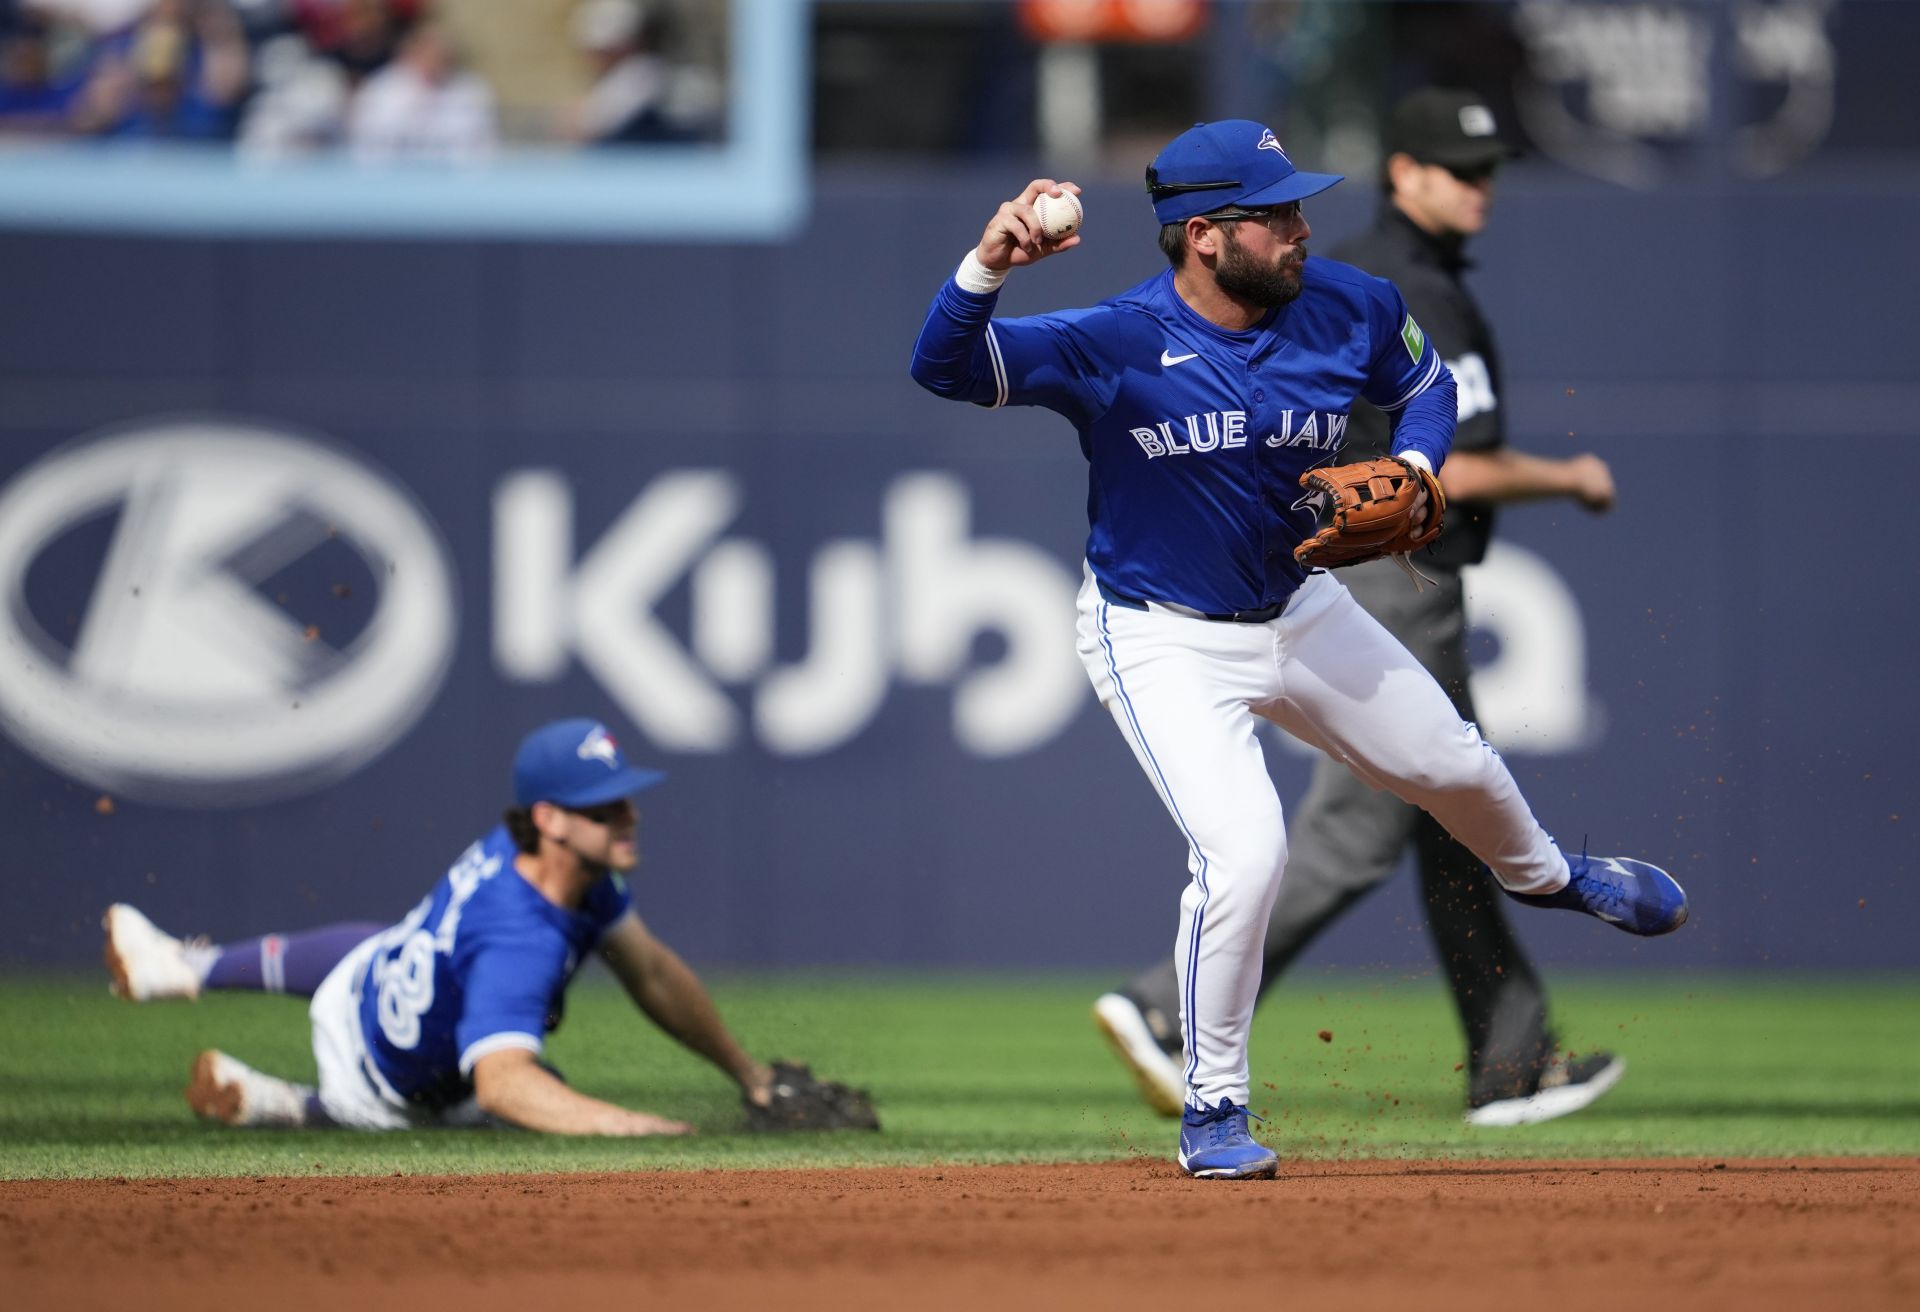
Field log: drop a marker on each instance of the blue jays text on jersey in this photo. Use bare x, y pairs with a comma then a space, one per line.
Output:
1196, 437
482, 964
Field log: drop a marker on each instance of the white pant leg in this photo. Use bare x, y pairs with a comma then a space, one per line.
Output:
1180, 691
1352, 690
346, 1090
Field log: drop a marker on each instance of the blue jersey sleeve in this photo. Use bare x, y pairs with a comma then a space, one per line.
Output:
510, 991
1059, 361
1427, 422
1408, 380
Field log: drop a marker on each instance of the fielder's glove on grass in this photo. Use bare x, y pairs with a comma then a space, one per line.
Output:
801, 1102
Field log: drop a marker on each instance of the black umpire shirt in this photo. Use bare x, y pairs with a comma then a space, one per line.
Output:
1427, 271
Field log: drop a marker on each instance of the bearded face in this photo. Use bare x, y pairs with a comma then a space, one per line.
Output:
1271, 280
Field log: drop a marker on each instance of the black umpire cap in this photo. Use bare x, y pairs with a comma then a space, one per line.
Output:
1455, 129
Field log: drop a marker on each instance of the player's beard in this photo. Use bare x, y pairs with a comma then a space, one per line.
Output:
1241, 276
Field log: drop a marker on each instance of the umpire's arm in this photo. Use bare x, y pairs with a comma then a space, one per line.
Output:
672, 996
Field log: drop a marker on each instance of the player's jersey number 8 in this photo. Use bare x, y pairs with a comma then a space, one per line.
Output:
406, 990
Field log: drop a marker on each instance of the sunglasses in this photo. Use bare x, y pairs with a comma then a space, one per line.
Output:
606, 813
1160, 191
1277, 219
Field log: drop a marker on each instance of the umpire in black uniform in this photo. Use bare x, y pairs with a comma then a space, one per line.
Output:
1345, 838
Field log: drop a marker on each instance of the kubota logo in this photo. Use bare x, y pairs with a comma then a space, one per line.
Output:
908, 607
176, 674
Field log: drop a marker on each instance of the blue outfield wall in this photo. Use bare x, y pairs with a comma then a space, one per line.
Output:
297, 538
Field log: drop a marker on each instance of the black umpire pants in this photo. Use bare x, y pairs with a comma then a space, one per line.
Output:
1345, 839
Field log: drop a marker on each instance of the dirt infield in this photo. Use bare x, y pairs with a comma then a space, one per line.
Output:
1443, 1235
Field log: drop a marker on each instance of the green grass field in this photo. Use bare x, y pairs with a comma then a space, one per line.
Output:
999, 1068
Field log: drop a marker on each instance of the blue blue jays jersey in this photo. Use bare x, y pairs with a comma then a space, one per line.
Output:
482, 964
1196, 437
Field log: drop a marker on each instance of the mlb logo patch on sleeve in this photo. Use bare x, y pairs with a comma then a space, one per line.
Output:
1415, 339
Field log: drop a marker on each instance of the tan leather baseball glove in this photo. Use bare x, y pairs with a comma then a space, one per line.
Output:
1368, 510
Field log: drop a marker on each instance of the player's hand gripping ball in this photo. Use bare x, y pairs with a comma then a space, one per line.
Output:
1367, 510
1059, 216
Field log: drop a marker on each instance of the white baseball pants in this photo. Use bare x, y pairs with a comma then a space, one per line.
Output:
1185, 692
347, 1090
351, 1090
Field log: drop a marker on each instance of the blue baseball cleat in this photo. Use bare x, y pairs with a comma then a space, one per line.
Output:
1631, 895
1215, 1145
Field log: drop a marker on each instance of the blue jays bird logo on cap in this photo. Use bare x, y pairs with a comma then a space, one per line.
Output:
1234, 162
562, 763
599, 746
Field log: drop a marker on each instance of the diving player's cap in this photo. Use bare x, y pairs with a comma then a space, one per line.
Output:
1454, 129
575, 763
1233, 163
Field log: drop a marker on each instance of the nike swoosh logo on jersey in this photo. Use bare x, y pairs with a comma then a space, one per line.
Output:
1168, 359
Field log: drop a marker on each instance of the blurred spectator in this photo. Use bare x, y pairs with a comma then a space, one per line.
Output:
638, 94
180, 71
422, 106
360, 36
36, 93
300, 104
381, 79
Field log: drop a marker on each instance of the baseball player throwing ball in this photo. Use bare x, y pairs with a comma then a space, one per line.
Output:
442, 1018
1212, 401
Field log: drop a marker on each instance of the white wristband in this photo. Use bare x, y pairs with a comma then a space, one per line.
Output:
976, 277
1416, 458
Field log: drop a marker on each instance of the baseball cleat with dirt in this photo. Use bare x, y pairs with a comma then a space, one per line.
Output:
144, 962
227, 1090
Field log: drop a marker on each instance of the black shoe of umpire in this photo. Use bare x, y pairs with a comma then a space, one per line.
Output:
1148, 1045
1566, 1085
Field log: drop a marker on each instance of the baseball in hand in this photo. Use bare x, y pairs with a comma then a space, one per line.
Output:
1059, 215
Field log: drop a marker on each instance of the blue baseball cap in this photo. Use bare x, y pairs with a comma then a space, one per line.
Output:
575, 763
1236, 161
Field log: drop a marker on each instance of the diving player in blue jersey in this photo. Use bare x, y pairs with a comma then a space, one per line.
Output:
442, 1018
1201, 397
